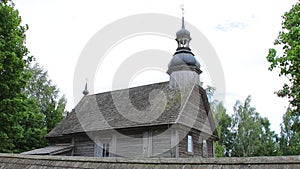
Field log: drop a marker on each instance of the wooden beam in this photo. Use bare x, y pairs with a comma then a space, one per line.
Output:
175, 142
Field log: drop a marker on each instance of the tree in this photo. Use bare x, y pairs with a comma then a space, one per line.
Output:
13, 60
251, 133
288, 62
289, 139
269, 140
24, 117
223, 120
210, 92
41, 89
34, 129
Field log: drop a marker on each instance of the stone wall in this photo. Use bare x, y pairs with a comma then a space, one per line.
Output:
17, 161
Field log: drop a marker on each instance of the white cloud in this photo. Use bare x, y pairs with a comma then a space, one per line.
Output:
229, 26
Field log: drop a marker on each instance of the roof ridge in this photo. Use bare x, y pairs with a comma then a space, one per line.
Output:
118, 90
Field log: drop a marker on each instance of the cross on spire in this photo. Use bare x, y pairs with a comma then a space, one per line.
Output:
182, 9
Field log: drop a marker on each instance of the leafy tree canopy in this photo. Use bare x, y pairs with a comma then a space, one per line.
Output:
46, 94
289, 139
13, 60
288, 62
245, 133
29, 103
251, 133
223, 121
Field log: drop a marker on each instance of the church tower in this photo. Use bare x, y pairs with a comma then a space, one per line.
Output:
183, 68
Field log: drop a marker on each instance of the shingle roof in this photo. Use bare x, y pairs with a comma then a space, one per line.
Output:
50, 150
154, 104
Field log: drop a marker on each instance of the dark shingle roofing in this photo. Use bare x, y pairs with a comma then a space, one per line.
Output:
50, 150
149, 105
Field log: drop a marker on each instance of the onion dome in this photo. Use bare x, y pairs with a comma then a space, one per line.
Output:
183, 33
183, 58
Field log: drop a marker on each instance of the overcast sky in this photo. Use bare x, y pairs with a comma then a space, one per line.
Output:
241, 32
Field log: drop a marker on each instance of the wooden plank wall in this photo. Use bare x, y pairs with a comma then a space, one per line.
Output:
161, 143
84, 146
210, 148
197, 138
129, 145
197, 146
139, 142
202, 122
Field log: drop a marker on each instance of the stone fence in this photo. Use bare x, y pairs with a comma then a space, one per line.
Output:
17, 161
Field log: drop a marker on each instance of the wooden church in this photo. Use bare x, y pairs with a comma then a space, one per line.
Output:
169, 119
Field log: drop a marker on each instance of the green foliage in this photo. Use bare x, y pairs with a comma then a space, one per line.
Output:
251, 133
269, 140
25, 112
290, 139
45, 93
34, 129
223, 122
210, 91
219, 150
289, 61
11, 112
245, 133
13, 60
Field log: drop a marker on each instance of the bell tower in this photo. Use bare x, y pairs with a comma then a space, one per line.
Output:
183, 68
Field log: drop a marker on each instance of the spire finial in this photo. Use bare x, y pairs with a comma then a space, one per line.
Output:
183, 35
183, 12
85, 91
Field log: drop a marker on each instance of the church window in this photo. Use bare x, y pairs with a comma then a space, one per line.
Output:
204, 146
189, 143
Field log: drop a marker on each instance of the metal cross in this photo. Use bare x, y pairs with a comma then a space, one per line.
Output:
182, 9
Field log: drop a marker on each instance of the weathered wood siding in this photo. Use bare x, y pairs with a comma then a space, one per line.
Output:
158, 141
198, 125
140, 142
130, 144
210, 148
196, 102
161, 143
197, 146
60, 140
197, 138
84, 146
149, 142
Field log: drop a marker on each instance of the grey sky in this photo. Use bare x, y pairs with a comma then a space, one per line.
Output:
240, 31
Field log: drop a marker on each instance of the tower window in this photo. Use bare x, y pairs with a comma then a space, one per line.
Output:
189, 143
